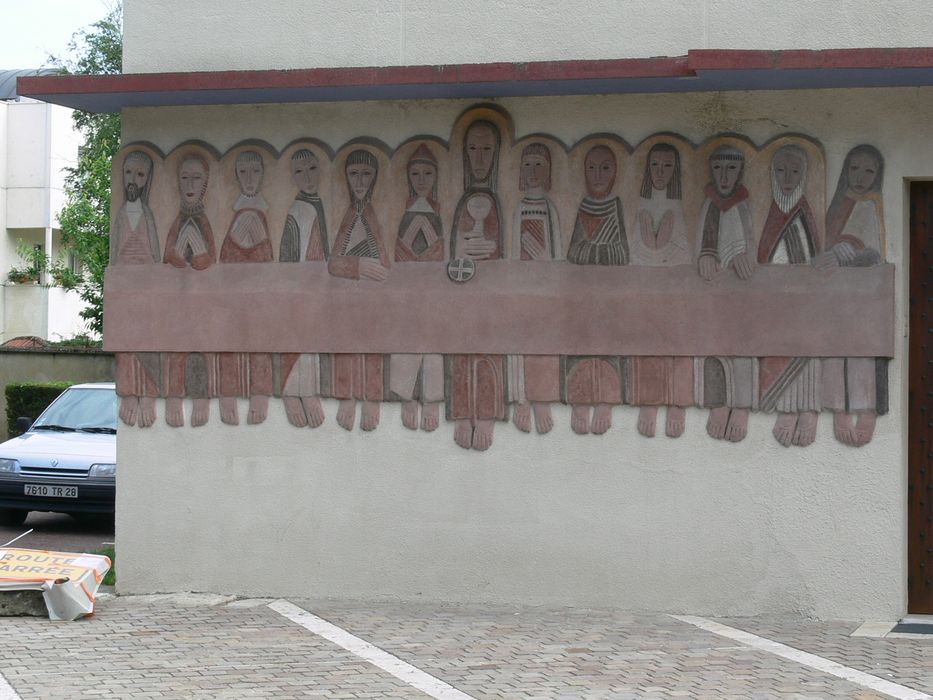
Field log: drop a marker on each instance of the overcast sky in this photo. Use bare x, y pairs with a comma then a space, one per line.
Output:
33, 29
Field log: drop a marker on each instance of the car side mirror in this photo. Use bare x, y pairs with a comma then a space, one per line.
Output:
23, 424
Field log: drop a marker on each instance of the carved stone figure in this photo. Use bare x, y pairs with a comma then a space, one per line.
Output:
420, 239
246, 375
728, 383
134, 239
855, 388
534, 380
661, 239
592, 385
304, 239
190, 240
305, 233
359, 253
790, 385
476, 383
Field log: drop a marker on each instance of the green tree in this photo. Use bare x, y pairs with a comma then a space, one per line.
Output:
85, 218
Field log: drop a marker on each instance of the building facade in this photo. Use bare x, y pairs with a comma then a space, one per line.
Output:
680, 368
37, 144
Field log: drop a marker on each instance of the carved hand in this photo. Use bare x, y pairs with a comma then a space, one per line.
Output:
646, 224
372, 270
742, 264
708, 266
478, 248
825, 261
665, 229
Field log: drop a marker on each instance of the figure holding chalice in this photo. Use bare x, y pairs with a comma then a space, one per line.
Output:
476, 398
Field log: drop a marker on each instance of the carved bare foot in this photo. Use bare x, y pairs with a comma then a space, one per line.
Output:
647, 418
544, 421
369, 417
200, 412
430, 416
346, 413
294, 411
602, 418
522, 416
717, 421
482, 435
864, 428
843, 429
676, 421
228, 410
410, 414
129, 409
313, 410
258, 409
175, 412
784, 427
737, 427
580, 419
463, 433
147, 412
805, 433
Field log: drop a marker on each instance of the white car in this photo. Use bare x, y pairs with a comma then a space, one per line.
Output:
66, 461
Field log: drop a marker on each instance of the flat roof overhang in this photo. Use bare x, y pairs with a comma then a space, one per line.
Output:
703, 70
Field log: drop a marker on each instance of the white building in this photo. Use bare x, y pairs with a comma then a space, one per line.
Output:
37, 143
690, 524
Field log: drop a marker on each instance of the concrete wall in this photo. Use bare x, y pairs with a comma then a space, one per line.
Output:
47, 366
689, 525
178, 35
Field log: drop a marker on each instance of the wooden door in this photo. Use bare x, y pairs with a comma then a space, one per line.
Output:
920, 403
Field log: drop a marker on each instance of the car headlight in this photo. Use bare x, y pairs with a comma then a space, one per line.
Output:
8, 466
103, 470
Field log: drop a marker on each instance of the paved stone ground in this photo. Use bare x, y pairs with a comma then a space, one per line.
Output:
170, 647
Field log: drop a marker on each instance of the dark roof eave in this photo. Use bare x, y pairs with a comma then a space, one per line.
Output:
699, 71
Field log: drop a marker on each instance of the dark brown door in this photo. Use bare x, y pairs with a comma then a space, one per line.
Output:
920, 403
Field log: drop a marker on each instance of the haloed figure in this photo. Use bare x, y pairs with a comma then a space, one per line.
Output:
246, 375
790, 385
534, 380
661, 240
359, 253
477, 382
855, 388
725, 236
420, 239
304, 239
593, 385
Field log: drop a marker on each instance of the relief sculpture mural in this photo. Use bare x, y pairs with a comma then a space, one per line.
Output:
614, 275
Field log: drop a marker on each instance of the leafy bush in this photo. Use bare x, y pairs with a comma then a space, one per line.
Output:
29, 399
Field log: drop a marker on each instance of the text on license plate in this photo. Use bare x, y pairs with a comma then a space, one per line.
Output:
51, 490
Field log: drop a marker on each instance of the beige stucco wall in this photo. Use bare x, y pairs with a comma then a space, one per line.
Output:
179, 35
690, 525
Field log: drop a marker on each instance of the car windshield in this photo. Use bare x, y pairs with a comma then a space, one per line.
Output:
90, 410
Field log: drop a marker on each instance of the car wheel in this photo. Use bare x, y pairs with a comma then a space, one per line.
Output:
12, 517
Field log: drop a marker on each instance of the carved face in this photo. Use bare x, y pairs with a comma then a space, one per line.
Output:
135, 176
306, 174
422, 177
360, 176
661, 167
726, 174
249, 175
789, 169
192, 181
536, 171
863, 169
599, 169
481, 150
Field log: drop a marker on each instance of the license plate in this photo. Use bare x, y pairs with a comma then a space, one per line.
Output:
49, 490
